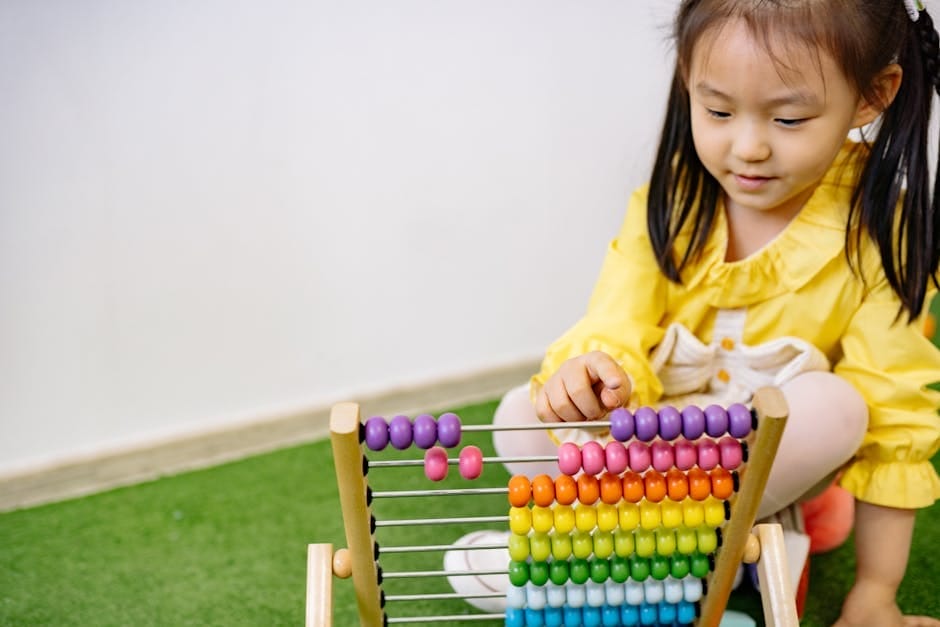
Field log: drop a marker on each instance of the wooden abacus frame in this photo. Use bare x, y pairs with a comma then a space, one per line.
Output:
742, 541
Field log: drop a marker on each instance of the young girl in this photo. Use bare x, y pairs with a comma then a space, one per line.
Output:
768, 249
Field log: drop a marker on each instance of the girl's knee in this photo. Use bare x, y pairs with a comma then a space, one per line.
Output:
825, 406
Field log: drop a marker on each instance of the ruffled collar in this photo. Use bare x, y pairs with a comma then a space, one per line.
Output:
812, 239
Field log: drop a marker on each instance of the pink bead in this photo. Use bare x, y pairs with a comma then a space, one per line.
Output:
731, 453
617, 458
593, 458
663, 458
471, 462
686, 455
639, 456
435, 463
708, 454
569, 458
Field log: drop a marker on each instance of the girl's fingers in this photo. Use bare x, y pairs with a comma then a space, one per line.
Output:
612, 399
543, 409
602, 367
584, 396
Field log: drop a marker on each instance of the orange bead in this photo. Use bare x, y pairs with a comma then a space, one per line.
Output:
655, 486
722, 483
543, 490
677, 485
700, 485
566, 490
520, 490
611, 490
588, 489
632, 487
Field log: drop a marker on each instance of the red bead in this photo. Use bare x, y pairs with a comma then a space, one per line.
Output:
435, 463
593, 458
569, 458
471, 462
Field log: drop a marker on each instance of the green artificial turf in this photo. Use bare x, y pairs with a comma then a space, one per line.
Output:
227, 546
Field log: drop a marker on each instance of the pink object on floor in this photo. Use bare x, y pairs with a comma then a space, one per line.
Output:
829, 518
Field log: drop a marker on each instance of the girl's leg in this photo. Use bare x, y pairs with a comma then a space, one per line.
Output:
828, 419
517, 409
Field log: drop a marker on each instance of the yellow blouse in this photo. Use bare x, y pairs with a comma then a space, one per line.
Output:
801, 285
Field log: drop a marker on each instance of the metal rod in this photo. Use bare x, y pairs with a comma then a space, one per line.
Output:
444, 596
393, 494
590, 424
392, 463
438, 547
407, 574
441, 619
441, 521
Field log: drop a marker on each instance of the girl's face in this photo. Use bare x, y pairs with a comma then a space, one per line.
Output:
767, 129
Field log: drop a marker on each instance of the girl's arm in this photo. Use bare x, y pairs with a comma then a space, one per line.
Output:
882, 545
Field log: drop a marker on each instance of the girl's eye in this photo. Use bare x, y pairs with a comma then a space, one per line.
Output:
718, 115
790, 122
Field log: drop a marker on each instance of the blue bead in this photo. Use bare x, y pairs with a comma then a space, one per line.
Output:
667, 613
572, 616
686, 613
534, 618
515, 617
648, 614
610, 616
554, 617
630, 615
591, 616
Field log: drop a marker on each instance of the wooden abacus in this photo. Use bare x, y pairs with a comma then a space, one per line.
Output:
674, 518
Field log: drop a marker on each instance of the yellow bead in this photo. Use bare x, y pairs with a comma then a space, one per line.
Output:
624, 545
645, 542
581, 544
629, 514
564, 518
540, 547
607, 517
542, 519
603, 544
561, 545
693, 513
585, 517
650, 517
520, 520
686, 542
714, 512
518, 547
672, 513
665, 542
707, 540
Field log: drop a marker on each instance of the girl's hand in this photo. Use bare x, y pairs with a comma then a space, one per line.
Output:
584, 388
868, 606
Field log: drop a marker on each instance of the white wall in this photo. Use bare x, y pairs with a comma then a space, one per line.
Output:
211, 210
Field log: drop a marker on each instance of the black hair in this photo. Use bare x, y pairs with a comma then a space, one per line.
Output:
863, 38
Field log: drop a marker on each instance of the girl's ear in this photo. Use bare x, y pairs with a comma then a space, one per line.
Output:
886, 85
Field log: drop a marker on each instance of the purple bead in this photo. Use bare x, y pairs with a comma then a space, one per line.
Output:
621, 424
425, 431
716, 421
647, 423
670, 423
376, 433
448, 430
739, 421
399, 432
693, 422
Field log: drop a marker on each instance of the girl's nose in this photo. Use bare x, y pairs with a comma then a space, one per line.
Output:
750, 144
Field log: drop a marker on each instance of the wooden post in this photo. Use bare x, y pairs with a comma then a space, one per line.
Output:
772, 413
773, 573
319, 585
357, 515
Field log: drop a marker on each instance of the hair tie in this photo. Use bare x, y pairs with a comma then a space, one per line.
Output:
914, 7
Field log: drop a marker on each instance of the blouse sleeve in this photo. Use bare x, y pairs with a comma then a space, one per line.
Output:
624, 311
892, 363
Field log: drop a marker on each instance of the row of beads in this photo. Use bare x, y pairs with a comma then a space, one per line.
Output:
669, 423
470, 463
603, 544
401, 432
631, 487
625, 516
618, 569
681, 614
611, 593
593, 458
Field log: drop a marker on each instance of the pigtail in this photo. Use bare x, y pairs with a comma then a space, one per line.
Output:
680, 187
907, 242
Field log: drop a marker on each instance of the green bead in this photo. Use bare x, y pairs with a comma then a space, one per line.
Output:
518, 547
665, 542
540, 546
623, 543
679, 566
538, 573
518, 573
619, 569
561, 545
582, 545
659, 567
600, 570
579, 571
558, 572
603, 544
707, 540
699, 565
645, 542
686, 542
639, 568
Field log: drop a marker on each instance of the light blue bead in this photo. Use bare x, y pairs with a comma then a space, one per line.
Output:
667, 613
572, 616
648, 614
630, 615
534, 618
554, 617
610, 616
591, 616
515, 617
686, 612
